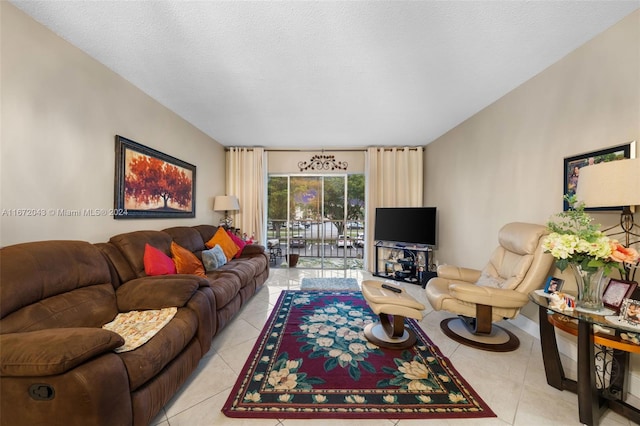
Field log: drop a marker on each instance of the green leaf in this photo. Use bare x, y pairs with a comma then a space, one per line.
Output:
354, 373
330, 364
306, 348
388, 370
383, 384
368, 366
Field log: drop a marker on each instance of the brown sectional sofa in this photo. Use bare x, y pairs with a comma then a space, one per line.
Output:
58, 366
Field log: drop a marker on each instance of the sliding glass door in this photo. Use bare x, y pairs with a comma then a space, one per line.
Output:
319, 218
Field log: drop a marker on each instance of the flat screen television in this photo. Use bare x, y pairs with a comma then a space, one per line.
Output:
411, 225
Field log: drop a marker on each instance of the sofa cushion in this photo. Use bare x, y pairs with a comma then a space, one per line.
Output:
53, 351
186, 262
156, 262
223, 240
83, 307
245, 269
34, 271
187, 237
156, 292
225, 285
132, 245
206, 231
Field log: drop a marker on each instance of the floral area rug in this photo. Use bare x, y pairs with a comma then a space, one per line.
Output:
313, 361
322, 284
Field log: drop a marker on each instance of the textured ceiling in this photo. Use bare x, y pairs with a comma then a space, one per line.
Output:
327, 74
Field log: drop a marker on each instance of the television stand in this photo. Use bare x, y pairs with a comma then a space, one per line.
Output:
404, 262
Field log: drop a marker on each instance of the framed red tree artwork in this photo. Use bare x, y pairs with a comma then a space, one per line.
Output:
151, 184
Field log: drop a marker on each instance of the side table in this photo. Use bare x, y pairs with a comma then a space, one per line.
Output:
595, 392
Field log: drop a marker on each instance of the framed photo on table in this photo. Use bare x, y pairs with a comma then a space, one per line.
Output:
616, 292
553, 285
630, 311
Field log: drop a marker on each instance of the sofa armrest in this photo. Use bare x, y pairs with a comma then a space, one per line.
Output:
252, 250
53, 351
497, 297
457, 273
157, 292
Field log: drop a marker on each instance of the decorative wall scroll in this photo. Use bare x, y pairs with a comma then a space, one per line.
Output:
322, 162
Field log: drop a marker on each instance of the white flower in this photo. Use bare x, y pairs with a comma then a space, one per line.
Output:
357, 348
319, 398
325, 342
345, 357
456, 397
389, 399
355, 399
252, 396
417, 386
283, 379
414, 370
424, 399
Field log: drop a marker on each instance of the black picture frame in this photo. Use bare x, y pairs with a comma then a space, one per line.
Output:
168, 192
549, 285
572, 166
616, 291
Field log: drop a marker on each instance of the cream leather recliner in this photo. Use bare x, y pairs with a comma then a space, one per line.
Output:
481, 298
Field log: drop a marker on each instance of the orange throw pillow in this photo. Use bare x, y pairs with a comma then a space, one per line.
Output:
186, 262
156, 262
225, 242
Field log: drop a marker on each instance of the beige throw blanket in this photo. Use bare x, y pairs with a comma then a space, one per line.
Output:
137, 327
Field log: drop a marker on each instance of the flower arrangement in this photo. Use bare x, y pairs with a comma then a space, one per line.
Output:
575, 239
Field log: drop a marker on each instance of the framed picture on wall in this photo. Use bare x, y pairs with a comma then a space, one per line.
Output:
151, 184
572, 166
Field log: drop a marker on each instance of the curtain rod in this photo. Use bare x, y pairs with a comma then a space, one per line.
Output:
410, 148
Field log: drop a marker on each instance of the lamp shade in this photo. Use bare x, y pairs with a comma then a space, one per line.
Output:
610, 184
226, 203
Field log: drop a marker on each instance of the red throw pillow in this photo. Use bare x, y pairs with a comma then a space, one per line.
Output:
239, 242
156, 262
186, 262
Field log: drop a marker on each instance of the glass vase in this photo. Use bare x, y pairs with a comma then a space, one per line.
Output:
590, 286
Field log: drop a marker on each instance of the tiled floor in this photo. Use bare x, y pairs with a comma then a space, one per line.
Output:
513, 384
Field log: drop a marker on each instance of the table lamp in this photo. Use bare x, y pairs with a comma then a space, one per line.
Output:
613, 184
226, 203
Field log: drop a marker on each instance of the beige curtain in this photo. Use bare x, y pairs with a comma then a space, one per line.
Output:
246, 180
394, 178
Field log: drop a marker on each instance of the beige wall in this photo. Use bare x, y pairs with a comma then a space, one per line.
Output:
60, 113
505, 163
